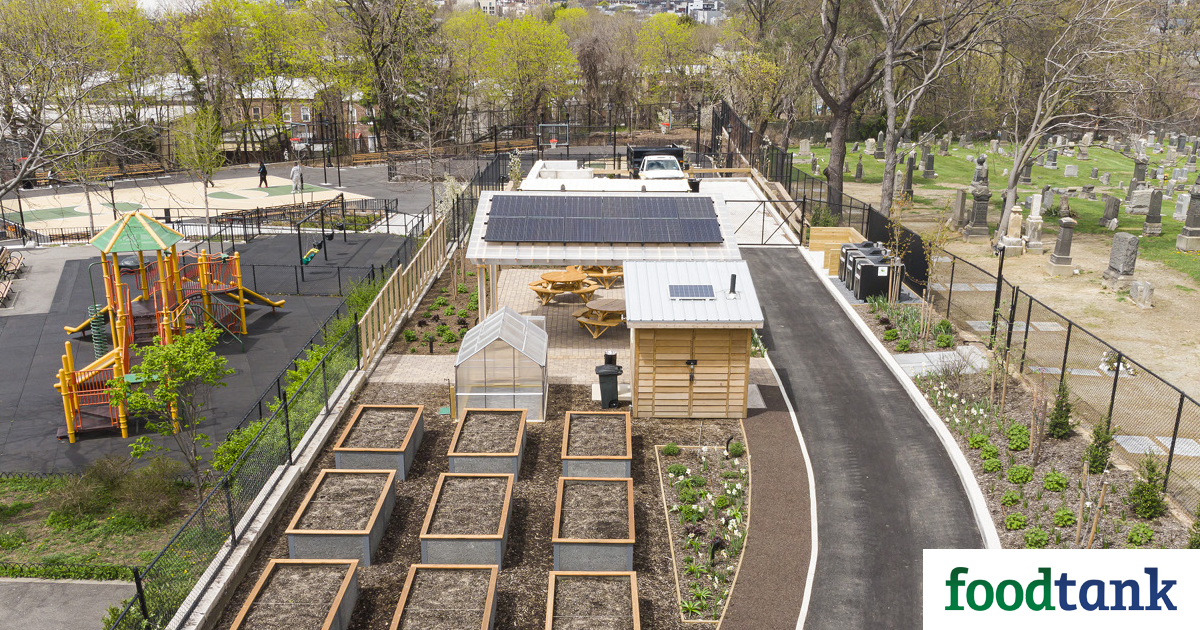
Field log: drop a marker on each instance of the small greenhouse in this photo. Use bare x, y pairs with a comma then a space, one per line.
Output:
501, 364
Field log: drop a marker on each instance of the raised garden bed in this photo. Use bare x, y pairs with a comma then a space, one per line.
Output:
488, 441
343, 515
467, 520
593, 524
447, 598
595, 600
597, 444
380, 437
301, 595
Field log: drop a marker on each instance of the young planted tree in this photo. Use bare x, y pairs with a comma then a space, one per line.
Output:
200, 150
1059, 425
173, 384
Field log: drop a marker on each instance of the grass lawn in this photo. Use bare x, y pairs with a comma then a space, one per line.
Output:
955, 171
29, 534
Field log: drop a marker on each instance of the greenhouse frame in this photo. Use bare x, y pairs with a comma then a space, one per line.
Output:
501, 364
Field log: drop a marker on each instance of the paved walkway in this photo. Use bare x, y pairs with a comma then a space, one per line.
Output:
886, 489
32, 604
770, 585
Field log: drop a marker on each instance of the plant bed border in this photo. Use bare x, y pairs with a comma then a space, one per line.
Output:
497, 463
593, 554
375, 458
632, 575
459, 549
343, 602
615, 466
332, 543
489, 615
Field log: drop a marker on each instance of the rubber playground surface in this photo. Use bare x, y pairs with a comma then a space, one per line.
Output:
67, 208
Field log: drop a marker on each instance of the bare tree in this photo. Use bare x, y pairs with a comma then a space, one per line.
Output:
1075, 57
921, 46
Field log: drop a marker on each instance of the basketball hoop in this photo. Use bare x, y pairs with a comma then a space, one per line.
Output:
553, 141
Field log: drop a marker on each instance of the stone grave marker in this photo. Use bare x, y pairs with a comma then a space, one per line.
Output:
1052, 159
1181, 206
870, 146
929, 172
1060, 260
858, 169
1153, 224
879, 146
1122, 260
1141, 292
1105, 178
1139, 201
1070, 170
1189, 239
1095, 173
805, 147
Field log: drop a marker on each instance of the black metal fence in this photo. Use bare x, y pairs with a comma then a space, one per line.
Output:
1152, 417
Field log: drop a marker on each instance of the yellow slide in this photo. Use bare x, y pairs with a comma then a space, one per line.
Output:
251, 296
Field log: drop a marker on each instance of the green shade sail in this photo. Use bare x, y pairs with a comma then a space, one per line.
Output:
135, 232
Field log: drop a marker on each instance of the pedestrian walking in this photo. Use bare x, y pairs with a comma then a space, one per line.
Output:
297, 179
262, 174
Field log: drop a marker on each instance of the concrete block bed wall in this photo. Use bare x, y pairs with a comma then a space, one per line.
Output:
381, 436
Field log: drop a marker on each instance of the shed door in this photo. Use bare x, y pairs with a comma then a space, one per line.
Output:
714, 388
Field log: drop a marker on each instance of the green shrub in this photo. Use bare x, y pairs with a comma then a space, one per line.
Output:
688, 495
1014, 521
990, 451
13, 538
978, 440
1054, 481
1020, 475
676, 469
1064, 517
690, 514
670, 450
78, 496
1097, 453
450, 311
150, 497
109, 471
1018, 437
442, 329
1058, 426
462, 312
1010, 498
410, 335
1146, 496
945, 341
737, 449
440, 302
462, 288
449, 337
1140, 535
721, 502
429, 337
903, 345
991, 465
473, 302
731, 474
1036, 538
891, 335
944, 327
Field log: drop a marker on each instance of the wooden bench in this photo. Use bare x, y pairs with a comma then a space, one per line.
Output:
607, 277
6, 291
597, 326
137, 170
588, 289
10, 263
367, 159
544, 291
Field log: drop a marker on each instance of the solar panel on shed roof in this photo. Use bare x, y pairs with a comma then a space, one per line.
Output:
598, 219
691, 291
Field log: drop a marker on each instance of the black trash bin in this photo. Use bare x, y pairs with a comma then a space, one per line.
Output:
608, 385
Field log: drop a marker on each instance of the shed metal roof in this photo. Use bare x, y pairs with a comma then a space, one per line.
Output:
648, 301
509, 326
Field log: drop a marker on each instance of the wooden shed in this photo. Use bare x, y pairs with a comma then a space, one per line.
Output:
691, 325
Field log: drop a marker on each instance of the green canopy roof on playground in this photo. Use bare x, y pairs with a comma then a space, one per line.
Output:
135, 232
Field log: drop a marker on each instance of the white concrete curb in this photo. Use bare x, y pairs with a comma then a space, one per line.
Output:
983, 516
812, 498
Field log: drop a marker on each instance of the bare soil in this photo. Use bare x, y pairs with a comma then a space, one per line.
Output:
1065, 456
585, 602
469, 506
489, 432
595, 510
343, 502
597, 436
428, 317
521, 587
380, 428
446, 599
295, 598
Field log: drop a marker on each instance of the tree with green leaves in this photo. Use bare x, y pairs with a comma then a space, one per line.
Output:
527, 64
173, 383
200, 149
668, 53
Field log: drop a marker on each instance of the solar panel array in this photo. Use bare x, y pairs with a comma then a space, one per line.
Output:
602, 219
691, 291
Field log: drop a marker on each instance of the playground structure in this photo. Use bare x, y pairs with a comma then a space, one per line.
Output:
177, 291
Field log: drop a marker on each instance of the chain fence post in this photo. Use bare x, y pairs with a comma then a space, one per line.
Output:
1062, 374
229, 506
1012, 316
950, 288
1174, 438
1112, 398
287, 423
141, 593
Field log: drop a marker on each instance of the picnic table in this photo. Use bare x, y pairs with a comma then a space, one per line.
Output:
598, 316
571, 280
606, 274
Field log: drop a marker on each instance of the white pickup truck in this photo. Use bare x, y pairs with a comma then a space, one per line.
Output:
660, 167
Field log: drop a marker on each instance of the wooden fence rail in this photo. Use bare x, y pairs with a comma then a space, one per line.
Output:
401, 293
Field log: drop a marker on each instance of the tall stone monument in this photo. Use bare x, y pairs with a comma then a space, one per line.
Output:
977, 229
1121, 262
1011, 241
858, 170
1060, 261
1033, 227
1153, 224
1189, 239
879, 146
929, 172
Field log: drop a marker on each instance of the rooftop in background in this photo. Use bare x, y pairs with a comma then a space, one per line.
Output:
566, 176
684, 293
495, 252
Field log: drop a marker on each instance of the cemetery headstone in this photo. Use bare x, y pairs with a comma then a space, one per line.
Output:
995, 144
1095, 173
1052, 159
1012, 242
1181, 206
1189, 239
1181, 143
1064, 206
1141, 292
977, 229
944, 147
1089, 191
1033, 230
1060, 260
1121, 261
929, 172
1041, 160
908, 179
1112, 207
1071, 170
855, 149
870, 146
1153, 224
879, 146
1026, 176
958, 215
1139, 169
1105, 178
1139, 201
813, 164
805, 147
858, 170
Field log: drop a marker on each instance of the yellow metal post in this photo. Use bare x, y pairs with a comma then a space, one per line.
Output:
237, 274
177, 278
144, 276
67, 383
205, 282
